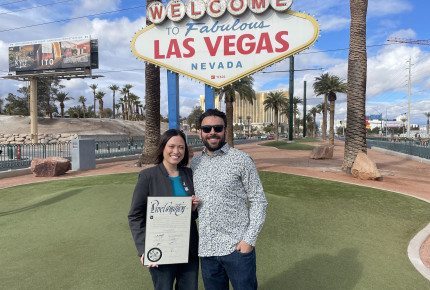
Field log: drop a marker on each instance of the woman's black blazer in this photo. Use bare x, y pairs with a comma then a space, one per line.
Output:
155, 181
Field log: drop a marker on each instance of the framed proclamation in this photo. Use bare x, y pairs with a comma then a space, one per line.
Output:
168, 221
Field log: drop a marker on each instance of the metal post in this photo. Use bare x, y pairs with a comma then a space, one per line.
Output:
33, 110
409, 100
304, 110
173, 99
291, 93
209, 97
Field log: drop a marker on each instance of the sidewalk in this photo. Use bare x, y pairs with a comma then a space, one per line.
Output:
398, 174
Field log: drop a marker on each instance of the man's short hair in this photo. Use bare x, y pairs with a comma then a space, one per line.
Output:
215, 113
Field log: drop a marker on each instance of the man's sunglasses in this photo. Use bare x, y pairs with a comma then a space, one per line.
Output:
208, 129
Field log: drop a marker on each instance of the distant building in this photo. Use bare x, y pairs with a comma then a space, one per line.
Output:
242, 108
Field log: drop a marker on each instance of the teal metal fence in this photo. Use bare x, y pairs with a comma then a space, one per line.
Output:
411, 147
20, 156
107, 149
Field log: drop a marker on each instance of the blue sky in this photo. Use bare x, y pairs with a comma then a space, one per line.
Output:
387, 85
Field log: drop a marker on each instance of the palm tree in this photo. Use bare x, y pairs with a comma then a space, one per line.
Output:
134, 114
142, 115
314, 111
129, 102
152, 104
124, 101
1, 104
117, 107
99, 96
309, 123
82, 100
244, 88
248, 118
62, 97
336, 85
323, 85
240, 124
114, 88
94, 88
427, 114
275, 101
296, 101
355, 136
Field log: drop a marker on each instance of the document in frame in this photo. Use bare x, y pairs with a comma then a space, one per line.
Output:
167, 230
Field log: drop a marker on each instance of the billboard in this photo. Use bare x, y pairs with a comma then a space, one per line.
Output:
394, 124
219, 51
51, 55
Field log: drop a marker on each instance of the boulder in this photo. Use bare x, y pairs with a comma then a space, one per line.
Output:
322, 152
52, 166
364, 168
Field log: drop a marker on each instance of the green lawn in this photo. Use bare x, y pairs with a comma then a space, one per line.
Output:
282, 144
73, 234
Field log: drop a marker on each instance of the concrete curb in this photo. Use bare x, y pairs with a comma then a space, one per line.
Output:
414, 251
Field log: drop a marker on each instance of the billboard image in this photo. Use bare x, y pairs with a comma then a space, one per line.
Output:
54, 55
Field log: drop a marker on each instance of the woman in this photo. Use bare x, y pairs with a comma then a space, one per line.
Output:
169, 177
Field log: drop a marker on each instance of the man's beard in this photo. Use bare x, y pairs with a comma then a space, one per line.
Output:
214, 148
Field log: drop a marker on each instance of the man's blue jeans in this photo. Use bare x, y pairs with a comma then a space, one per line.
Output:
239, 268
186, 276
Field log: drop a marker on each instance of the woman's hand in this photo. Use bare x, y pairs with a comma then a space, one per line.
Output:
148, 266
195, 201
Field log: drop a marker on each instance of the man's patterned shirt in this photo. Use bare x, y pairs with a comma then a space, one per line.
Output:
225, 182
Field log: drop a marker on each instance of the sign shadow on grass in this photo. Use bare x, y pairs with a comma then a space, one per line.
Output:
49, 201
323, 272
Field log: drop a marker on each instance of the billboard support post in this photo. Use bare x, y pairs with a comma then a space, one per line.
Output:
33, 110
173, 99
209, 97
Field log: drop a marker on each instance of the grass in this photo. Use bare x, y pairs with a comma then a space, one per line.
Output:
288, 146
296, 145
73, 234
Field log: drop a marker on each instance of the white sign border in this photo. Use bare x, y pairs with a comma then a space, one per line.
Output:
242, 75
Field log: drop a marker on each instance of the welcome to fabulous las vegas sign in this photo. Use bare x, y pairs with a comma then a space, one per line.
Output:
219, 42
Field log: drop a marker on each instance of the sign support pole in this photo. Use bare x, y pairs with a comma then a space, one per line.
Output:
304, 110
33, 110
291, 93
209, 97
173, 99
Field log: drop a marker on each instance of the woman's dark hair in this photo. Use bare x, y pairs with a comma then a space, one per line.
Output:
163, 141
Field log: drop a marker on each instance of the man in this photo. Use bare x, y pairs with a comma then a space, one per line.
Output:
225, 180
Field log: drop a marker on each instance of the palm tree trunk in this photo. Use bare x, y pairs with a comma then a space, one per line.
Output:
152, 121
113, 105
331, 132
276, 125
294, 125
324, 121
100, 109
229, 114
62, 109
315, 126
355, 135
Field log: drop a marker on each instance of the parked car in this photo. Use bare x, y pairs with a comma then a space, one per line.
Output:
271, 137
263, 137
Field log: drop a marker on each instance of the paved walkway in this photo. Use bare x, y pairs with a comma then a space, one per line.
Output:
399, 174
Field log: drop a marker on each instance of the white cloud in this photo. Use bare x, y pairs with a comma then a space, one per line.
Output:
404, 33
92, 6
388, 7
330, 23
